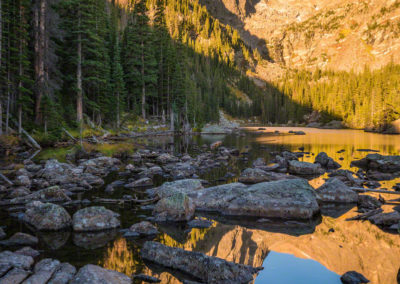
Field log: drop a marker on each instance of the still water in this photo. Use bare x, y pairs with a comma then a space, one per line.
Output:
289, 252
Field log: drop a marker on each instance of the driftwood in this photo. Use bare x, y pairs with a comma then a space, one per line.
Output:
69, 134
34, 155
365, 190
9, 182
365, 216
123, 201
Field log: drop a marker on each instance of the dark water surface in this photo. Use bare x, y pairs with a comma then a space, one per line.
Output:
290, 252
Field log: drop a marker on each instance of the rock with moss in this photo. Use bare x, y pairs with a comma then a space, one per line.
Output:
47, 216
174, 208
96, 218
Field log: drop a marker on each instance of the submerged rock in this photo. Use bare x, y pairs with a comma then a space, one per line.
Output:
292, 199
20, 239
95, 218
176, 207
385, 164
93, 274
141, 229
258, 175
305, 168
334, 190
209, 269
353, 277
47, 216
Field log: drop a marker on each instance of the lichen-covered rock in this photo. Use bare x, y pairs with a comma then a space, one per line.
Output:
256, 175
96, 218
209, 269
141, 229
305, 168
93, 274
334, 190
43, 271
15, 260
293, 199
184, 186
47, 216
176, 207
63, 274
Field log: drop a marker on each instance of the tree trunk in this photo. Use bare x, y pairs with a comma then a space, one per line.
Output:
1, 118
79, 97
118, 117
143, 86
1, 53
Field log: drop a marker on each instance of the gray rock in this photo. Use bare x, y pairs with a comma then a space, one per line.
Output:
20, 239
167, 158
23, 180
16, 260
142, 229
63, 274
50, 194
28, 251
215, 145
385, 164
93, 274
385, 219
43, 271
20, 191
293, 198
326, 162
353, 277
15, 276
2, 234
334, 190
4, 268
259, 163
251, 175
96, 218
140, 183
368, 202
183, 186
209, 269
176, 207
47, 216
305, 168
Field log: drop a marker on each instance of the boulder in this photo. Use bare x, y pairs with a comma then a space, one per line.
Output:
385, 164
305, 168
353, 277
334, 190
96, 218
20, 191
251, 175
47, 216
292, 199
140, 183
20, 239
385, 219
93, 274
167, 158
28, 251
63, 275
15, 276
208, 269
43, 271
176, 207
16, 260
23, 180
50, 194
259, 163
184, 186
141, 229
326, 162
200, 223
368, 202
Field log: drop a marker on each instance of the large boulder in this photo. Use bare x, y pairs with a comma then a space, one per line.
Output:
47, 216
141, 229
93, 274
367, 202
385, 164
326, 162
334, 190
292, 199
385, 219
96, 218
43, 271
183, 186
63, 275
15, 260
208, 269
305, 168
257, 175
175, 208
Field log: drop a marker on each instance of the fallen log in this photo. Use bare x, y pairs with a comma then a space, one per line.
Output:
34, 155
365, 190
69, 134
365, 216
122, 201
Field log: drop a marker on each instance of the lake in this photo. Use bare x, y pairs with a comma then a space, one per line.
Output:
317, 251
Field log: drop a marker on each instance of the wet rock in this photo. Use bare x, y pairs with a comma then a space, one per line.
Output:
47, 216
20, 239
368, 202
347, 177
95, 218
146, 278
28, 251
15, 276
293, 199
206, 268
305, 168
2, 234
64, 273
43, 271
385, 164
326, 162
50, 194
385, 219
141, 229
251, 175
93, 274
175, 208
353, 277
200, 224
182, 186
140, 183
334, 190
166, 158
16, 260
